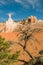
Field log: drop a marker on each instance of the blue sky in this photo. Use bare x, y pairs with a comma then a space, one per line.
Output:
21, 9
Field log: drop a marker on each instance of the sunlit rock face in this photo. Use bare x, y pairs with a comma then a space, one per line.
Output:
10, 24
33, 19
40, 20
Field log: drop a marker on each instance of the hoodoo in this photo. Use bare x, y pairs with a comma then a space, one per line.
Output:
33, 19
10, 24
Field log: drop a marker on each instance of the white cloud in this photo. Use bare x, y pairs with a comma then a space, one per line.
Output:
2, 2
25, 3
34, 3
28, 2
5, 2
18, 1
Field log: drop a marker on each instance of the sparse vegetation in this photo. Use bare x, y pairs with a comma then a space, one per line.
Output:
5, 57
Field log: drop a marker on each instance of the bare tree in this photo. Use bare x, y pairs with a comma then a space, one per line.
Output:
26, 34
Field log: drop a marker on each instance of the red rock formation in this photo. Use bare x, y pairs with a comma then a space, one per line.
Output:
33, 19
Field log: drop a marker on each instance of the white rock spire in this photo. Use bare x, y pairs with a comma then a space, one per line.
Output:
10, 24
9, 15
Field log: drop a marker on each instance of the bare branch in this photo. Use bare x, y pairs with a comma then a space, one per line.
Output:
19, 44
26, 51
38, 29
22, 61
29, 54
27, 33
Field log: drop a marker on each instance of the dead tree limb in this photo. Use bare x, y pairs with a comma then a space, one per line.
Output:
29, 54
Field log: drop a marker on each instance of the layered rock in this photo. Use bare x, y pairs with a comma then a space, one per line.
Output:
10, 25
33, 19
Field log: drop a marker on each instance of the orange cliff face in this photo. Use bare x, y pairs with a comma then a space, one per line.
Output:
34, 46
13, 37
9, 35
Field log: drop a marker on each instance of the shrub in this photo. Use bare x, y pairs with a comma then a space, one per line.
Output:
5, 57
